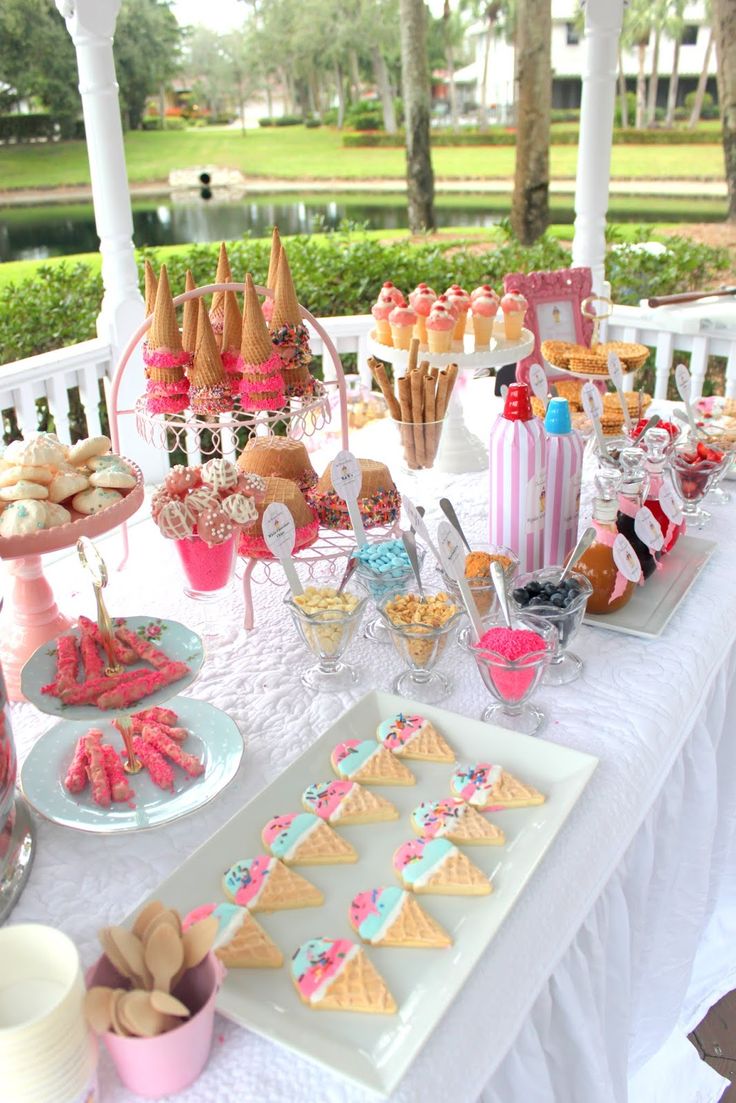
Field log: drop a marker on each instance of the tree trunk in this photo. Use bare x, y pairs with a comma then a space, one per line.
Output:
483, 106
354, 76
384, 87
340, 85
641, 87
669, 119
450, 55
162, 104
530, 206
269, 100
622, 88
724, 27
415, 83
702, 82
653, 81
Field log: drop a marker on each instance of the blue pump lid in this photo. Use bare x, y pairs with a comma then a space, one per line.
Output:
557, 419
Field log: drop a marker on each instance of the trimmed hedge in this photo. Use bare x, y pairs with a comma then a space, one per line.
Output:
561, 136
26, 128
281, 120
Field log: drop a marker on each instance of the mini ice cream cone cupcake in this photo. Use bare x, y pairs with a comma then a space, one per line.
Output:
150, 287
209, 390
217, 310
262, 384
231, 338
514, 307
380, 311
460, 299
391, 291
273, 267
422, 298
483, 310
402, 320
482, 289
191, 314
290, 336
440, 324
165, 358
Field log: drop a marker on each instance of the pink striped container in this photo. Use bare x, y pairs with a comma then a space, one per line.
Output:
518, 470
564, 470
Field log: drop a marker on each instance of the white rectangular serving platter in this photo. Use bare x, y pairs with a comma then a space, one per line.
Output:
654, 603
376, 1050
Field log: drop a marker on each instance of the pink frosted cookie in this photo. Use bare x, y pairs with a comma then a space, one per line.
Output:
266, 884
301, 838
491, 788
240, 942
413, 737
368, 762
455, 820
347, 802
436, 865
334, 974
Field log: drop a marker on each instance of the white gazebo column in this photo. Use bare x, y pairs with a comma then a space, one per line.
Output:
603, 19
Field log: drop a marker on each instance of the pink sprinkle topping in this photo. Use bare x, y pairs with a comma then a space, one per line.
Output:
512, 643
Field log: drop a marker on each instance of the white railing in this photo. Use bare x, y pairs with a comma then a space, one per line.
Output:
52, 375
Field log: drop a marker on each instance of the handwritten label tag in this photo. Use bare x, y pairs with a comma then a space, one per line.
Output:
625, 559
538, 382
417, 522
615, 371
647, 529
592, 401
451, 550
671, 504
280, 536
682, 381
347, 479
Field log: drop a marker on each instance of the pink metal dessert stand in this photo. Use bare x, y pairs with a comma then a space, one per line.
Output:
30, 615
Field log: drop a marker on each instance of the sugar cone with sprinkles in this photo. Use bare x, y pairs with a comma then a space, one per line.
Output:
262, 385
209, 390
164, 356
290, 335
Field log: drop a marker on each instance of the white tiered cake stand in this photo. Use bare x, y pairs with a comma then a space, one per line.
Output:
460, 450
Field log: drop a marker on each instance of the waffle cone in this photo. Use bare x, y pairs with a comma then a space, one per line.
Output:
164, 331
206, 369
150, 286
286, 889
322, 847
509, 792
283, 490
189, 321
255, 342
222, 275
413, 928
359, 987
384, 768
428, 745
273, 264
471, 828
251, 948
286, 307
233, 323
362, 806
457, 876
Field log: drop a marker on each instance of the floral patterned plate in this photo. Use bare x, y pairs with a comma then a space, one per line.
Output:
179, 642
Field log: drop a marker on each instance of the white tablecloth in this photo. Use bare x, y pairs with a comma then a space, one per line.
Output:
625, 933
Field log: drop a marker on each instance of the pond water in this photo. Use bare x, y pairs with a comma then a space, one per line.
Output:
46, 230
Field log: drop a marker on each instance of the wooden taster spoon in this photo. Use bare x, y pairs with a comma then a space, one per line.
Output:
169, 1005
140, 1016
98, 1008
164, 956
113, 955
131, 949
151, 910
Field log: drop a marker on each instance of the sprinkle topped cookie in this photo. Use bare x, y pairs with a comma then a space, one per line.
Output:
303, 838
336, 975
454, 820
266, 884
391, 917
435, 865
489, 787
414, 737
240, 942
370, 763
347, 802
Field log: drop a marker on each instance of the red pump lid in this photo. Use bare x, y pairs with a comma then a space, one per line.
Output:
517, 406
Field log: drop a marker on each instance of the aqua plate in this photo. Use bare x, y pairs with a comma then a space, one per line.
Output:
213, 737
179, 642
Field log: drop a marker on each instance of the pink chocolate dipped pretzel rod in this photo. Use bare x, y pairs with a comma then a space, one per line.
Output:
140, 684
67, 666
120, 790
94, 664
156, 715
86, 693
123, 653
76, 776
188, 762
96, 768
178, 734
162, 774
144, 649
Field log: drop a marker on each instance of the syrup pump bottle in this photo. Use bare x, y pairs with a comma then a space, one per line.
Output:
632, 493
610, 563
662, 499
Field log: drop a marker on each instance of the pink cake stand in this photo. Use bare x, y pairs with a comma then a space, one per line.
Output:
30, 615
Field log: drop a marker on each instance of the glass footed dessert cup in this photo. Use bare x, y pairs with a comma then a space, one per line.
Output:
481, 587
420, 646
419, 442
512, 681
327, 634
693, 481
564, 666
209, 572
385, 584
716, 437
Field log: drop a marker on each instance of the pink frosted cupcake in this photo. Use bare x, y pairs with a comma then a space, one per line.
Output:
483, 309
402, 320
460, 299
514, 307
422, 298
390, 291
440, 324
380, 311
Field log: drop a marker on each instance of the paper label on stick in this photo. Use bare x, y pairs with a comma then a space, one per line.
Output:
682, 381
278, 530
671, 504
347, 476
615, 371
414, 518
538, 382
592, 401
647, 529
626, 559
451, 550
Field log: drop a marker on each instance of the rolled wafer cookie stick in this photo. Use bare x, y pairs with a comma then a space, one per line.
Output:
413, 355
417, 416
430, 430
424, 368
407, 435
379, 374
452, 372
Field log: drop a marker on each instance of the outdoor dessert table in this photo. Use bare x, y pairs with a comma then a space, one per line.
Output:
623, 936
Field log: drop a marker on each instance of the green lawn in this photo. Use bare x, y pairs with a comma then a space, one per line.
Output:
297, 153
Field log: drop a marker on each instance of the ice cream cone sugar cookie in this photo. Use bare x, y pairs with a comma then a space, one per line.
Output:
265, 884
370, 763
241, 942
392, 917
347, 802
491, 788
414, 737
164, 357
457, 821
301, 838
333, 974
435, 865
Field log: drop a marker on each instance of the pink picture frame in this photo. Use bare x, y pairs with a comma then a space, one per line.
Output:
554, 313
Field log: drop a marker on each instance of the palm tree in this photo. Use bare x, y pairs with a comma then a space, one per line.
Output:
636, 29
703, 78
530, 206
674, 27
416, 89
724, 26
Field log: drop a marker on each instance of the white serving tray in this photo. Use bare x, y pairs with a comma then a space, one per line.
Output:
376, 1050
653, 604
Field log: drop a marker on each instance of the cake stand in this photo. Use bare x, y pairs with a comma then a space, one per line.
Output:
30, 615
460, 450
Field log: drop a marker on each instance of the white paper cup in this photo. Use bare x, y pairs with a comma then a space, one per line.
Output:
47, 1054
